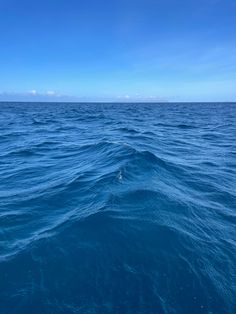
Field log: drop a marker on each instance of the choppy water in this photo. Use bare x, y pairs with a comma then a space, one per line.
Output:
117, 208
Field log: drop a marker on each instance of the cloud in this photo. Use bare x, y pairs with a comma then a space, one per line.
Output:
51, 93
142, 98
33, 92
34, 95
53, 96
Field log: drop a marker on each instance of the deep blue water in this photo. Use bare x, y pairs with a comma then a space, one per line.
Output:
117, 208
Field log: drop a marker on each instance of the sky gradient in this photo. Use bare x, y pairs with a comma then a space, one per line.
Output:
124, 50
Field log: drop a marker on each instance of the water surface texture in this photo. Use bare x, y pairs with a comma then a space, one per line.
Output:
117, 208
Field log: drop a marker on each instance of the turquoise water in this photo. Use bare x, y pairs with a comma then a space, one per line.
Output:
117, 208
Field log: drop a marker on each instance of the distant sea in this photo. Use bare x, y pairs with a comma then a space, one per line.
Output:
118, 208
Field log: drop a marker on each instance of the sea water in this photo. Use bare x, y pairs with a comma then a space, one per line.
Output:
117, 208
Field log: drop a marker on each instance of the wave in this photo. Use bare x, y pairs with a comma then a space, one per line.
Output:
107, 209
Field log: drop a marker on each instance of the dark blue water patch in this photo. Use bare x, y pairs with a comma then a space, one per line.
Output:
117, 208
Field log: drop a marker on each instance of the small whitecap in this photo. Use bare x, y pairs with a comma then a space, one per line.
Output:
119, 176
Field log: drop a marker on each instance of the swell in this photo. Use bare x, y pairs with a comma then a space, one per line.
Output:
132, 210
122, 167
106, 190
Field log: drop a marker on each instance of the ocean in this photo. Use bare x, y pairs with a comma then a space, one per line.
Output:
118, 208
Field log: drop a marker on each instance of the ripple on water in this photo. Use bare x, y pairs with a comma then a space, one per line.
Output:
117, 208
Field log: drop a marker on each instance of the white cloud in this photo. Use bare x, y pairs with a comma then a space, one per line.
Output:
33, 92
51, 93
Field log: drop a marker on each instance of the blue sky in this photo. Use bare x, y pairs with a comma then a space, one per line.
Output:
120, 50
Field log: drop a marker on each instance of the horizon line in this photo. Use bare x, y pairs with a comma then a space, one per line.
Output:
118, 102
